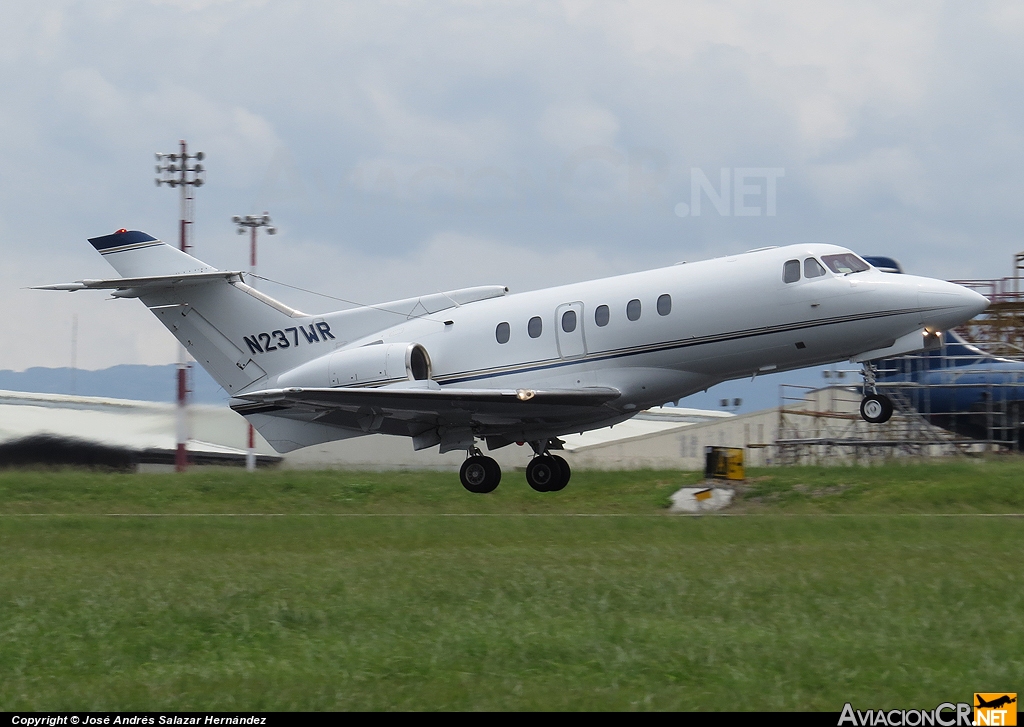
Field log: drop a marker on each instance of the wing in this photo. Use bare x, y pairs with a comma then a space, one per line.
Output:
432, 415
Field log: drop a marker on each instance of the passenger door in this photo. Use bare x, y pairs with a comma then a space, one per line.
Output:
569, 330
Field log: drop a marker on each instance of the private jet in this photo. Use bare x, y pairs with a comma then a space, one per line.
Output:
477, 366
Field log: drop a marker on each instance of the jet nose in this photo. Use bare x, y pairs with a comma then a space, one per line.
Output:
974, 301
946, 305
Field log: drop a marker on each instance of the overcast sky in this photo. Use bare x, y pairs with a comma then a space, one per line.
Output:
405, 148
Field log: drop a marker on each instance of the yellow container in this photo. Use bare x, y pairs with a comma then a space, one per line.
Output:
723, 463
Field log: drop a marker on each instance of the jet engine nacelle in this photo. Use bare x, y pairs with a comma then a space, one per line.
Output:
364, 366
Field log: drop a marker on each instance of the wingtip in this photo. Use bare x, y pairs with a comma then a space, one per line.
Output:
70, 287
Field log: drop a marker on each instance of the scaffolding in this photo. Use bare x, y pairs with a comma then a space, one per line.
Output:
956, 400
964, 390
824, 426
1000, 329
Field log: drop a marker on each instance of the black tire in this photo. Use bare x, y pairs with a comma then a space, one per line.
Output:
876, 408
544, 474
495, 472
480, 474
566, 474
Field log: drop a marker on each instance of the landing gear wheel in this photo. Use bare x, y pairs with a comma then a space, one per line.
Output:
876, 408
480, 474
545, 474
566, 474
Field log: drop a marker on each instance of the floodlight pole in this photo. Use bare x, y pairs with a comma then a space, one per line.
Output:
178, 172
253, 222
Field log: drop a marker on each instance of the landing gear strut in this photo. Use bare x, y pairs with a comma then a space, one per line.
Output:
547, 472
875, 408
479, 474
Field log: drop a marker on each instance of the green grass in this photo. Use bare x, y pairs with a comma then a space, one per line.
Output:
234, 491
414, 608
954, 486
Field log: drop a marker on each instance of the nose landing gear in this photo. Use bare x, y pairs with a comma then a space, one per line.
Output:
875, 408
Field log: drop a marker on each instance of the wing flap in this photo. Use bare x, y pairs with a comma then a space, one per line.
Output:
438, 402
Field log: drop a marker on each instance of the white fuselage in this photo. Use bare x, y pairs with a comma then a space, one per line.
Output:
452, 368
730, 317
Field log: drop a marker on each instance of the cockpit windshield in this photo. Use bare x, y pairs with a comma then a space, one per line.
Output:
845, 263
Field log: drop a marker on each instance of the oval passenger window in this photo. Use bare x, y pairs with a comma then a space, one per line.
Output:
569, 321
633, 310
664, 304
502, 332
601, 315
535, 327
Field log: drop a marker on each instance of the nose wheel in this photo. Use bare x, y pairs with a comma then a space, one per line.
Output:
480, 474
876, 408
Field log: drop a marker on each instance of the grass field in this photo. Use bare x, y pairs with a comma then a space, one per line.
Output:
402, 591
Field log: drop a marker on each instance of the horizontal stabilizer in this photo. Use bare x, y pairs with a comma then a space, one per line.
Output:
148, 281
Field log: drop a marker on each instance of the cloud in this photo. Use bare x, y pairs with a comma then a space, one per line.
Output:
569, 127
890, 175
115, 118
445, 261
402, 146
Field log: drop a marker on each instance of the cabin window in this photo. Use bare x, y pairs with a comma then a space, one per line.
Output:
569, 321
845, 263
535, 327
791, 271
601, 315
664, 304
502, 332
812, 268
633, 310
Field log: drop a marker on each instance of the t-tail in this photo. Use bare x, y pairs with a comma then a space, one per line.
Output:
242, 337
225, 324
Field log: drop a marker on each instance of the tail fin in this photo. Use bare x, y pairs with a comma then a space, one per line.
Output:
218, 318
242, 337
135, 254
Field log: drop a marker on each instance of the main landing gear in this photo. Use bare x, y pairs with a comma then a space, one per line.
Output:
875, 408
545, 473
480, 474
548, 473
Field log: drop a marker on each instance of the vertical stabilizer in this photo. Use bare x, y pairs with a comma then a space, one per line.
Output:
211, 317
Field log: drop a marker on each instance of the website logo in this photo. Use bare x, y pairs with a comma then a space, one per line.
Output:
995, 708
